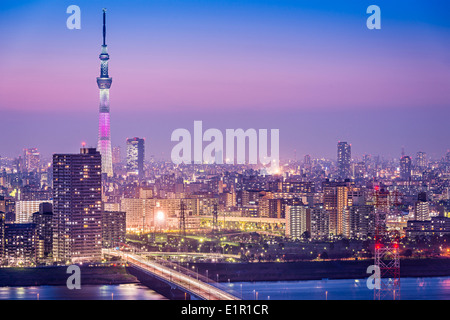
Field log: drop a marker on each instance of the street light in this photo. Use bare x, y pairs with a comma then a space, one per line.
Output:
160, 218
195, 268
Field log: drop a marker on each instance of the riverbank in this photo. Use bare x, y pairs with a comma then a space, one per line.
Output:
57, 276
315, 270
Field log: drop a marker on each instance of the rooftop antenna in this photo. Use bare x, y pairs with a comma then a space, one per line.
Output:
104, 26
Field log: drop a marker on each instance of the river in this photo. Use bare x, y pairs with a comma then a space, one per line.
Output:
437, 288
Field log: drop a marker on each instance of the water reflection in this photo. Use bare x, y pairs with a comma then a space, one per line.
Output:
411, 289
87, 292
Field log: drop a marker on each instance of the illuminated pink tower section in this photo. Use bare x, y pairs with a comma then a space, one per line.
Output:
104, 83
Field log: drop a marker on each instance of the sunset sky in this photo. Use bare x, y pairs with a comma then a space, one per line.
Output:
309, 68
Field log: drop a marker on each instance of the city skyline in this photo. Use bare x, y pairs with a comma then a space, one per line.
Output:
298, 158
264, 70
188, 191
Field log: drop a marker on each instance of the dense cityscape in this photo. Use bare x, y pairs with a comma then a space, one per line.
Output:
240, 209
187, 228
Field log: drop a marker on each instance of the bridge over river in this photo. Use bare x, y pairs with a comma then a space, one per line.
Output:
177, 277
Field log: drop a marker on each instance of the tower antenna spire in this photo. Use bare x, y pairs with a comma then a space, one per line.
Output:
104, 26
104, 83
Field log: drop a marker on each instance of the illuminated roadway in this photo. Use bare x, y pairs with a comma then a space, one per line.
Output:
192, 254
184, 282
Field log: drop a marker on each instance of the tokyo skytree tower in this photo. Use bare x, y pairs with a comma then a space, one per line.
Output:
104, 83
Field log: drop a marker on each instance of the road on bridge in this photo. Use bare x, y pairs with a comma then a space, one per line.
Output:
201, 289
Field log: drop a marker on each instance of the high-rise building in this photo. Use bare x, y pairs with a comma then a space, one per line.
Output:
358, 170
421, 208
135, 156
2, 237
2, 204
10, 210
356, 196
335, 200
421, 160
33, 195
405, 168
307, 165
146, 192
361, 221
320, 222
26, 208
116, 155
344, 156
228, 199
113, 228
31, 158
77, 205
43, 220
139, 213
298, 221
21, 243
104, 130
264, 206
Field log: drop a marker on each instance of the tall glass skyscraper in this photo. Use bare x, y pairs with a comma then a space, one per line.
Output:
344, 156
135, 156
405, 168
104, 83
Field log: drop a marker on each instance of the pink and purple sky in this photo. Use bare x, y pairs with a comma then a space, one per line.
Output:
309, 68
